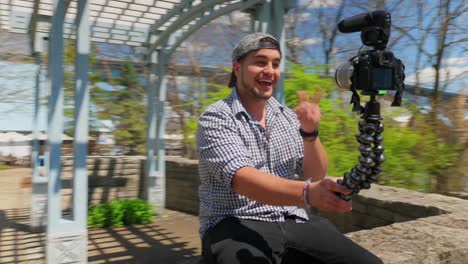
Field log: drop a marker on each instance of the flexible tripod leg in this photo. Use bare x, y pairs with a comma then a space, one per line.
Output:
371, 151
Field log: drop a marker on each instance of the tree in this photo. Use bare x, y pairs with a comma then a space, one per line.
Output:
69, 84
329, 30
412, 153
124, 106
434, 39
209, 46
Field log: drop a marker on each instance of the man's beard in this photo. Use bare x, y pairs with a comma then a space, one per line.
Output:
251, 90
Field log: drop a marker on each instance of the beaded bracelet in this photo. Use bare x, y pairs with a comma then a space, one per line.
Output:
305, 192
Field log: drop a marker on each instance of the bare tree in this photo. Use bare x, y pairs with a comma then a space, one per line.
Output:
447, 35
329, 30
437, 23
295, 16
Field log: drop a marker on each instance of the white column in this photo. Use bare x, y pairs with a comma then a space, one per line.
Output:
155, 176
67, 236
39, 180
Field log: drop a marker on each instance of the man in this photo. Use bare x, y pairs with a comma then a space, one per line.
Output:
250, 149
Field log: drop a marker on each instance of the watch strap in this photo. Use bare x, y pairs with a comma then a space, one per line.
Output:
309, 135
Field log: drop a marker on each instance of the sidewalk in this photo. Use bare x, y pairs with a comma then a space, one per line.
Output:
171, 239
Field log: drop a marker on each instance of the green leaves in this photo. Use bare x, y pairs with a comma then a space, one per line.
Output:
413, 154
125, 106
221, 92
119, 213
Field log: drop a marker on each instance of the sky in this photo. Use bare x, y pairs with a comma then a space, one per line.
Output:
214, 42
17, 114
404, 15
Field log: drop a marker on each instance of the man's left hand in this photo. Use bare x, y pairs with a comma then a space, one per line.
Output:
307, 111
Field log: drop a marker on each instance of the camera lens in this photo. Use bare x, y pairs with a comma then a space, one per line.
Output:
343, 74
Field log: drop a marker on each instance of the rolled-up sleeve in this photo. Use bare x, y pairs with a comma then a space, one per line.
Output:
220, 147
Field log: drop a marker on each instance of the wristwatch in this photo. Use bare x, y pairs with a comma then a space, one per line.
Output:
309, 136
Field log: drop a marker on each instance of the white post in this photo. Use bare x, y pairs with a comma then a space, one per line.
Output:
67, 236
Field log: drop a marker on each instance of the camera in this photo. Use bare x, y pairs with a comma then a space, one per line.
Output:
374, 71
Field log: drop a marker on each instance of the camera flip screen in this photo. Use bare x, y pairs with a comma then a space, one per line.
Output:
382, 78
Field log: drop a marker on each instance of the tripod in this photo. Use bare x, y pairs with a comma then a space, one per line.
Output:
371, 157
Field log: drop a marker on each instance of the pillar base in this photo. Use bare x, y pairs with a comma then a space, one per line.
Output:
67, 248
38, 215
156, 192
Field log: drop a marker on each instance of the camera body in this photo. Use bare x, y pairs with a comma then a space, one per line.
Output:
373, 71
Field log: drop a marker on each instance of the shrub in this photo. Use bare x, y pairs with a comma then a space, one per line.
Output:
119, 213
98, 215
414, 154
138, 212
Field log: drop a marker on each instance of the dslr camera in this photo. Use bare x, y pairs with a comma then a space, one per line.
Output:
373, 71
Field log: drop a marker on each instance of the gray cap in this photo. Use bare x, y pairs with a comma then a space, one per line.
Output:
254, 41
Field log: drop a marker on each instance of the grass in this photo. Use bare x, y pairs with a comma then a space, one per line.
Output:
5, 167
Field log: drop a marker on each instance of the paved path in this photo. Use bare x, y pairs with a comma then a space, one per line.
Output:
171, 239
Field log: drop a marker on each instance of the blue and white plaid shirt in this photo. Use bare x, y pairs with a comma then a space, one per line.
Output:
229, 139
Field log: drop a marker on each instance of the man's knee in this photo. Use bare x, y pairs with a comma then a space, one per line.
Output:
235, 252
241, 241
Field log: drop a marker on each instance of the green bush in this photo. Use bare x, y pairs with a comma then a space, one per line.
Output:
414, 154
98, 215
119, 213
138, 212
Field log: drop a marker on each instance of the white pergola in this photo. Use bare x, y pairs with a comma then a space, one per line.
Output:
160, 26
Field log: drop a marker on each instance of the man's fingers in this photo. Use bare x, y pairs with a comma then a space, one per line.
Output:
319, 92
335, 204
337, 188
302, 96
315, 98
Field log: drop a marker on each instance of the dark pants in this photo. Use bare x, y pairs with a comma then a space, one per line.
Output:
242, 241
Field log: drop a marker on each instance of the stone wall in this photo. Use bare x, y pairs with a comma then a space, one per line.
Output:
122, 177
109, 178
398, 225
434, 230
182, 185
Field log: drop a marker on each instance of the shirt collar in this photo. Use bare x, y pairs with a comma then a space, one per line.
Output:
272, 105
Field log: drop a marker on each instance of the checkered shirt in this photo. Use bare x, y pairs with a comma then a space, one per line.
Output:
229, 139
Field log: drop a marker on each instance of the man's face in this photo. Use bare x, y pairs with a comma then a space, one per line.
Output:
258, 73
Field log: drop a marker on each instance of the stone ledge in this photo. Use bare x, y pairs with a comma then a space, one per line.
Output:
419, 227
441, 238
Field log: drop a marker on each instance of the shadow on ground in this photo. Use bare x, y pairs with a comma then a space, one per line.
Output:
171, 239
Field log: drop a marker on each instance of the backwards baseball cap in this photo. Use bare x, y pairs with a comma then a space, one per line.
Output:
252, 42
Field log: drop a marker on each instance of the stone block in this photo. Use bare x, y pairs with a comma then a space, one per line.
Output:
369, 201
130, 171
380, 213
342, 221
397, 218
366, 221
432, 211
133, 165
359, 219
409, 210
358, 206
